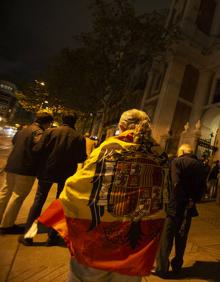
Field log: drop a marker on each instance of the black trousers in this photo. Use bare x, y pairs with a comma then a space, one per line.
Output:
170, 232
39, 200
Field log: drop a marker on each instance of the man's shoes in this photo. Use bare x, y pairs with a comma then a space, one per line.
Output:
176, 269
25, 241
53, 241
15, 229
161, 274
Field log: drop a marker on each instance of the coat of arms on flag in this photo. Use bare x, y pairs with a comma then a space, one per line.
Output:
125, 185
110, 211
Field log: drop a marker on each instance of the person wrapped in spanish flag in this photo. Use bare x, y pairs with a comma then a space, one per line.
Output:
110, 212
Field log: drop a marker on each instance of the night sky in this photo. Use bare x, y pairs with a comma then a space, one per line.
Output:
33, 32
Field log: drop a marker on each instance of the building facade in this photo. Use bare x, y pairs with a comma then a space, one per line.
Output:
184, 89
8, 101
181, 93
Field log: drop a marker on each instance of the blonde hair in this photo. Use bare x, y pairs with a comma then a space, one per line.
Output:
131, 118
184, 149
137, 120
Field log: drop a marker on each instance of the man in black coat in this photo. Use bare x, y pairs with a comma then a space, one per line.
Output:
21, 171
213, 180
60, 149
188, 185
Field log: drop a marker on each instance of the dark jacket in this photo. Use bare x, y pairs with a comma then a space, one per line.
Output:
188, 182
60, 149
21, 160
214, 172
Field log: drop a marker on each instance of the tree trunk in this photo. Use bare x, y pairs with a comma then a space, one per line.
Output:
100, 131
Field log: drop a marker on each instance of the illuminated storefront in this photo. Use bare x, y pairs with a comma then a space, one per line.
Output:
7, 100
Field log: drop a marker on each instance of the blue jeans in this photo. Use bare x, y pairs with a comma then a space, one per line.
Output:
39, 200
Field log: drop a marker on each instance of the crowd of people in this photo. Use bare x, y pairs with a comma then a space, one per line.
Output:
120, 211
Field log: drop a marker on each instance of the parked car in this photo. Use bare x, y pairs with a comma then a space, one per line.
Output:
9, 131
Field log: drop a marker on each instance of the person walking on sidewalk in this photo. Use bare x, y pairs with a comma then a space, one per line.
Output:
188, 185
21, 171
213, 180
61, 149
110, 211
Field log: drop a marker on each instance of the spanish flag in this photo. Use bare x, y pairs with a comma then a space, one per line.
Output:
110, 211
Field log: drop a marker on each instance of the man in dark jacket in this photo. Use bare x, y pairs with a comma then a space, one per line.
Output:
188, 185
213, 180
21, 171
60, 149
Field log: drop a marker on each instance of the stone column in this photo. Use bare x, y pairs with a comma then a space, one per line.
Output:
191, 10
201, 96
172, 6
189, 16
165, 109
216, 21
191, 136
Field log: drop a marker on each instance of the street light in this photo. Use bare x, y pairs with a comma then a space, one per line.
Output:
42, 83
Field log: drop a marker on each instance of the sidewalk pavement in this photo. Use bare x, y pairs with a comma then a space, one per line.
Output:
19, 263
